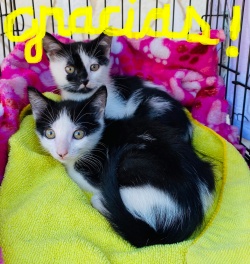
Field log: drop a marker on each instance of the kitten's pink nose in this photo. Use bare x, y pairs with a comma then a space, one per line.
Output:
62, 154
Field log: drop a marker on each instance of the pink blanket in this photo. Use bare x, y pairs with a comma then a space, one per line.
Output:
188, 71
1, 257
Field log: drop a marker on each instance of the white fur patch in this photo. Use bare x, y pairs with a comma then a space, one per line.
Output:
57, 68
146, 137
190, 130
149, 84
79, 179
133, 103
151, 205
76, 97
64, 130
118, 108
96, 202
159, 105
96, 78
141, 146
115, 107
64, 142
206, 196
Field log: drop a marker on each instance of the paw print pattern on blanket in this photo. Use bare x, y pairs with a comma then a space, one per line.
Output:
188, 71
192, 56
1, 257
116, 48
157, 51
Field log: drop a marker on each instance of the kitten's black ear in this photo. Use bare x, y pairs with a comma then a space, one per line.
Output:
99, 100
38, 102
51, 45
105, 41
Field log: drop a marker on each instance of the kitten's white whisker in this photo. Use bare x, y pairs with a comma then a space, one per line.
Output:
93, 162
97, 45
84, 163
102, 144
76, 120
85, 106
49, 117
79, 114
88, 123
95, 55
99, 151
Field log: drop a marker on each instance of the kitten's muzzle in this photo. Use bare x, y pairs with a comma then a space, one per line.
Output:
62, 154
84, 89
85, 82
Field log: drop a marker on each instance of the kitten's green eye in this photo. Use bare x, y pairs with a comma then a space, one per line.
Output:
94, 67
69, 69
78, 134
50, 133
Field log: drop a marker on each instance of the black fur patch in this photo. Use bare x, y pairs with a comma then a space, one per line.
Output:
137, 151
87, 122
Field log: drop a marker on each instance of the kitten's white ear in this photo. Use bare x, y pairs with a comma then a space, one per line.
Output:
99, 100
38, 102
51, 45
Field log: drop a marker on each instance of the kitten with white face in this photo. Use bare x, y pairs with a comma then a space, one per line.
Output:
69, 131
149, 184
80, 68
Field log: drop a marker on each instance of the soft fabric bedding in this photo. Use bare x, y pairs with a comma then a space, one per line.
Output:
47, 218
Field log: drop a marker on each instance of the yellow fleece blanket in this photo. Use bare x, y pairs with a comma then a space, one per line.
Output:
46, 218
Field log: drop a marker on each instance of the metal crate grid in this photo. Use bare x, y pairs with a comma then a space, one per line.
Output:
217, 13
237, 86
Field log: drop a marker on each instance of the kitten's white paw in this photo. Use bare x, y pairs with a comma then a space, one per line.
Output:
96, 202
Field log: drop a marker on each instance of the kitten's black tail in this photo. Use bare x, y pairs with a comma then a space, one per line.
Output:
132, 229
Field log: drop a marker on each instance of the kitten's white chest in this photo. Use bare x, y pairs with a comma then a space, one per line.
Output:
79, 179
115, 107
118, 108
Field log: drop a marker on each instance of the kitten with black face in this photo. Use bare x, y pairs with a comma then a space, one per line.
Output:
80, 68
149, 184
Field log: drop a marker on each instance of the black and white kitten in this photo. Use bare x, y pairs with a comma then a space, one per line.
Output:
80, 68
148, 183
